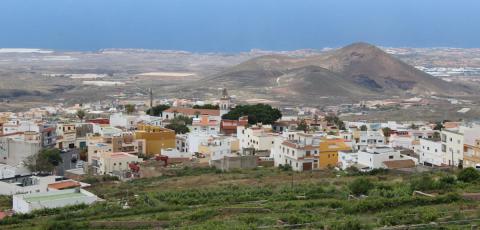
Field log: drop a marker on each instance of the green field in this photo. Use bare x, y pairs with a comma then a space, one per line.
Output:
270, 198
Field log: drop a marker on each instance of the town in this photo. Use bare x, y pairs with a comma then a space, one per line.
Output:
51, 156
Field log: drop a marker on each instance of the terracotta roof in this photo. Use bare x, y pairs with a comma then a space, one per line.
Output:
399, 164
192, 112
64, 185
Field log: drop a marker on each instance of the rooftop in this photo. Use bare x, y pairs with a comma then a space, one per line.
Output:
51, 196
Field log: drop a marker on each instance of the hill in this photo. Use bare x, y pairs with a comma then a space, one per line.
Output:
356, 70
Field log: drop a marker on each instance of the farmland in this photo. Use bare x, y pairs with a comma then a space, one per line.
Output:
264, 198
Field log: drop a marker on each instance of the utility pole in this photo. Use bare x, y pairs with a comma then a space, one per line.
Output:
151, 101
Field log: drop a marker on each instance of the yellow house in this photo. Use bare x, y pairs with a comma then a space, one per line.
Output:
328, 155
156, 138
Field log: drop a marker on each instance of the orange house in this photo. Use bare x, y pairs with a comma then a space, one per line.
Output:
328, 155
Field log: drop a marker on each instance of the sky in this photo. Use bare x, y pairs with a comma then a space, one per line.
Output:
237, 25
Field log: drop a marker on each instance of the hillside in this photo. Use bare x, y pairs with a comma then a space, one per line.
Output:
356, 70
266, 198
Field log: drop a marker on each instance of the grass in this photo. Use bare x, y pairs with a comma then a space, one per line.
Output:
263, 198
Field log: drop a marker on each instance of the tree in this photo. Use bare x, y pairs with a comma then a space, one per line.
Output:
157, 110
81, 114
363, 128
360, 186
129, 108
44, 161
259, 113
436, 135
178, 128
413, 126
468, 175
334, 120
179, 124
206, 106
438, 126
181, 119
302, 126
387, 131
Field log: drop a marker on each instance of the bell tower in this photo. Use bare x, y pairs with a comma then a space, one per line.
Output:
224, 102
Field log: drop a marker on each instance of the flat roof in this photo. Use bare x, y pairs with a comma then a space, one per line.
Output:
50, 197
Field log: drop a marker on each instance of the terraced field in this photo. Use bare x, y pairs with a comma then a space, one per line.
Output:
270, 198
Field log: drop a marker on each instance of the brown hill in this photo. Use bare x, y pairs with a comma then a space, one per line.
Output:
356, 70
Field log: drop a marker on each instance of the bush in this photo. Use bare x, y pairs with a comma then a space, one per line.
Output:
361, 186
285, 167
446, 182
468, 175
348, 224
423, 183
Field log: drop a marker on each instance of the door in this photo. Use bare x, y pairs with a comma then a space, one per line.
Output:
307, 166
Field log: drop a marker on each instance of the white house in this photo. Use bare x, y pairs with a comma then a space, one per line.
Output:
452, 146
123, 121
26, 184
205, 124
297, 150
369, 139
260, 138
430, 153
374, 158
26, 203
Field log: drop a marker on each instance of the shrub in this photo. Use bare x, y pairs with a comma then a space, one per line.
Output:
468, 175
422, 183
348, 224
285, 167
361, 186
446, 182
203, 215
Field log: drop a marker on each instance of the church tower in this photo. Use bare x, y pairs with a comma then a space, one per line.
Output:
225, 103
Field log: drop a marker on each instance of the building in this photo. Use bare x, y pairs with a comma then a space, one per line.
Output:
228, 163
328, 154
122, 142
66, 136
471, 156
111, 162
217, 147
123, 121
298, 150
229, 127
26, 203
452, 146
368, 139
205, 124
259, 138
156, 138
225, 103
17, 147
26, 184
191, 112
430, 153
374, 158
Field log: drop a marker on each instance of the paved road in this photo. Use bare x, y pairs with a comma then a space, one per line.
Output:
67, 161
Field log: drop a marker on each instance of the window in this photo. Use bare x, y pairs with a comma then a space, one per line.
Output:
390, 157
